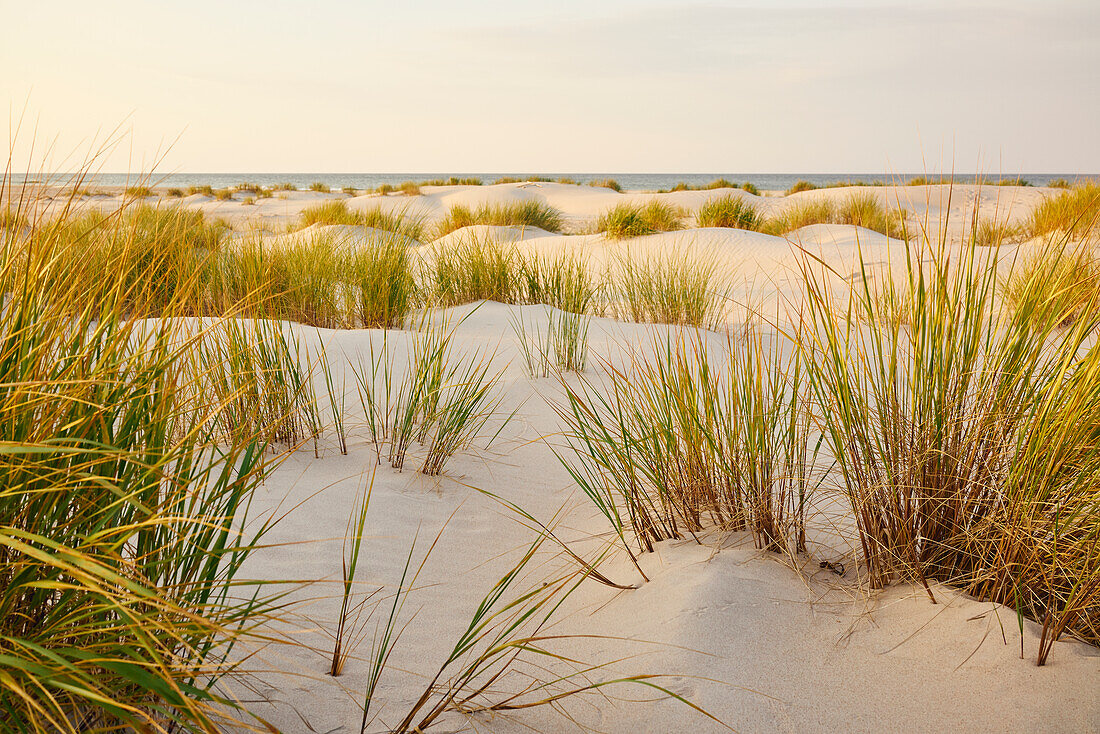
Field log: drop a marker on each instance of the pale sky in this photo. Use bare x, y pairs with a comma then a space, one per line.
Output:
560, 85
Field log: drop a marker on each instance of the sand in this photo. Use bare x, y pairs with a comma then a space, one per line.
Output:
761, 642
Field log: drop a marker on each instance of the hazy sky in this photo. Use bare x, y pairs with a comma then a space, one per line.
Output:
561, 85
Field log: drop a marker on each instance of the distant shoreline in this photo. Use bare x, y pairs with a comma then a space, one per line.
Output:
629, 181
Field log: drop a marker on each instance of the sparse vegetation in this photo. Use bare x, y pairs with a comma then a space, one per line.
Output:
860, 209
518, 214
1074, 213
801, 185
470, 269
409, 188
606, 183
205, 190
320, 187
728, 211
668, 288
635, 220
138, 192
994, 233
337, 212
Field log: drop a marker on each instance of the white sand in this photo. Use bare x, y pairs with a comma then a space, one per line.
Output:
756, 643
763, 646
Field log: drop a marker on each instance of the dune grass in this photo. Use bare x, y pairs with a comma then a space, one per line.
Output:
668, 288
409, 188
224, 194
799, 186
562, 347
117, 600
204, 190
1074, 213
320, 187
337, 212
1060, 282
955, 434
635, 220
564, 282
728, 211
606, 183
860, 209
694, 434
517, 214
990, 232
473, 268
380, 282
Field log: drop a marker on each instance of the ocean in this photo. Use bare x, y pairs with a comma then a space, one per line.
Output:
632, 181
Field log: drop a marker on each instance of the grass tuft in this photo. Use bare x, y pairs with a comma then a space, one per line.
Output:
518, 214
635, 220
728, 211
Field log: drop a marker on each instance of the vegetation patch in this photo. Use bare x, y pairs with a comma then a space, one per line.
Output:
635, 220
519, 214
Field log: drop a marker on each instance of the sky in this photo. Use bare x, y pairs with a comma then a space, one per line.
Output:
554, 86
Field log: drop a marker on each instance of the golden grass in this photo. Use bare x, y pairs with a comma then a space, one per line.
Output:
635, 220
517, 214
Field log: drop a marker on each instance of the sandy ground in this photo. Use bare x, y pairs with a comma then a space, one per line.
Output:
764, 643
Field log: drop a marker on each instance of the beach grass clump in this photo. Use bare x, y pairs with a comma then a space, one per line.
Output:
991, 232
798, 215
473, 268
958, 435
330, 212
175, 193
1074, 213
350, 190
284, 186
138, 192
224, 194
801, 185
606, 183
320, 187
636, 220
205, 190
1059, 183
118, 591
409, 188
859, 209
380, 282
694, 434
562, 347
441, 400
728, 211
751, 188
563, 281
294, 280
515, 214
337, 212
864, 210
668, 288
1060, 282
